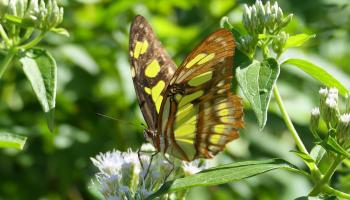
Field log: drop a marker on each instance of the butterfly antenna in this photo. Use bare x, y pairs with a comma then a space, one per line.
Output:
124, 121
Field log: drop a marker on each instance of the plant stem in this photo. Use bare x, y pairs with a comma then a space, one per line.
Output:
4, 36
34, 42
7, 61
288, 121
325, 179
27, 34
332, 191
315, 172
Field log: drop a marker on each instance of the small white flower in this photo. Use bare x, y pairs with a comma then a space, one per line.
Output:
345, 118
333, 94
323, 92
315, 111
343, 130
194, 166
148, 147
333, 91
190, 168
109, 163
331, 102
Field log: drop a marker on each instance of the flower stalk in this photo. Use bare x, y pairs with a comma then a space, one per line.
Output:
7, 61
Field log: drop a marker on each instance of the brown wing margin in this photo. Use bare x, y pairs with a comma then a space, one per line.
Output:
145, 48
219, 113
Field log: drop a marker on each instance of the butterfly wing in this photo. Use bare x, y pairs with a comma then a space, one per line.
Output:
151, 69
201, 115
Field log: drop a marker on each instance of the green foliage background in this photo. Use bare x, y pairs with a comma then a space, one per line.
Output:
94, 77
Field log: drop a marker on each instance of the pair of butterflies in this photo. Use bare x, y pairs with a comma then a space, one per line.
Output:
190, 110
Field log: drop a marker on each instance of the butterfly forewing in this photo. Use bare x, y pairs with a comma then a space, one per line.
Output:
200, 115
151, 69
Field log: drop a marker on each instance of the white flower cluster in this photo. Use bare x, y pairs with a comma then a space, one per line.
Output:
343, 130
330, 113
259, 18
42, 14
122, 176
264, 22
329, 105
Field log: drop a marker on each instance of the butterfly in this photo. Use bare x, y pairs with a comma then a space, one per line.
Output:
190, 111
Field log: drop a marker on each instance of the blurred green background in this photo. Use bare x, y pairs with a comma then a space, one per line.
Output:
94, 77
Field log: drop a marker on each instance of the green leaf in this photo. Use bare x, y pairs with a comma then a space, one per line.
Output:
41, 70
8, 140
60, 31
308, 160
308, 198
317, 153
257, 81
331, 144
298, 40
223, 174
318, 73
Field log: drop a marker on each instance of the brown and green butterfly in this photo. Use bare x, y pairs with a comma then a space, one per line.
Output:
190, 110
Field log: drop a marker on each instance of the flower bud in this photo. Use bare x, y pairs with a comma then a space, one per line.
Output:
247, 18
33, 10
260, 16
323, 92
260, 8
12, 10
21, 7
331, 111
3, 7
247, 44
279, 42
274, 8
286, 21
314, 121
271, 25
254, 21
279, 15
333, 93
343, 130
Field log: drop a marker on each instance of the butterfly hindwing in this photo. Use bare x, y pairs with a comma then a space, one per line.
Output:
151, 69
201, 115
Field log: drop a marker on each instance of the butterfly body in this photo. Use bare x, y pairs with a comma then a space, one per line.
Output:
190, 111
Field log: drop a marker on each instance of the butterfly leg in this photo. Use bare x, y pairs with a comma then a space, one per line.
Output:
172, 168
150, 163
139, 157
139, 152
